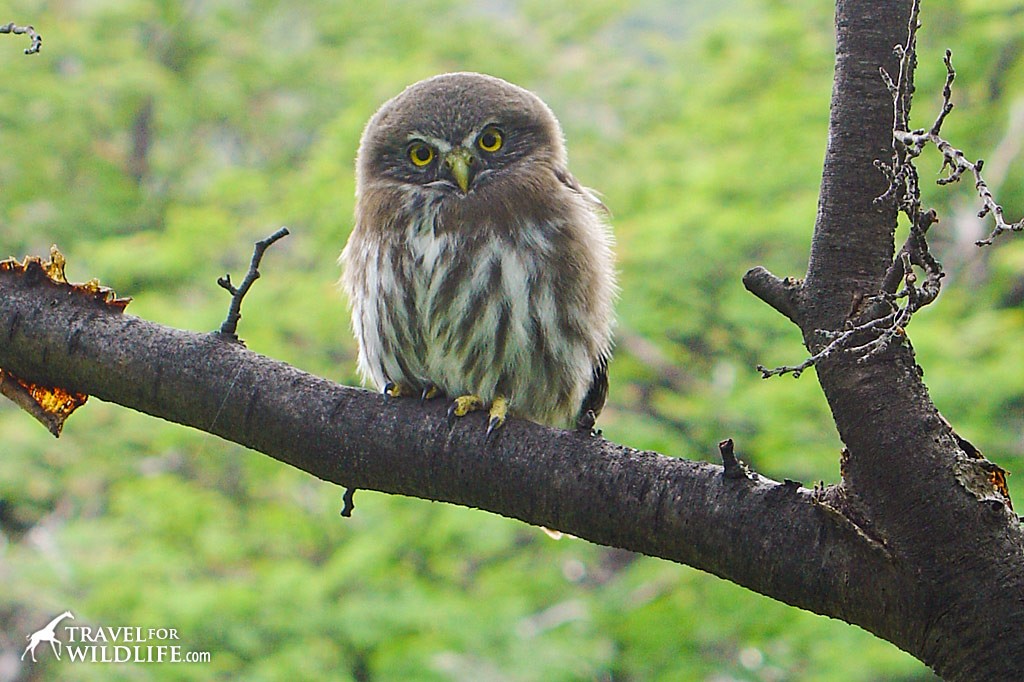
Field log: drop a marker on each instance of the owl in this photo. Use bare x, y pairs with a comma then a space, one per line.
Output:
478, 267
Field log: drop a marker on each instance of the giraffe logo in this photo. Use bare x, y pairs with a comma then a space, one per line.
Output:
46, 634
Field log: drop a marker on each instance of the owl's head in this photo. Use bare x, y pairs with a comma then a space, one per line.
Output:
457, 133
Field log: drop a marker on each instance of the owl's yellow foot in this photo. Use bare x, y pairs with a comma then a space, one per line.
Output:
499, 409
429, 393
463, 405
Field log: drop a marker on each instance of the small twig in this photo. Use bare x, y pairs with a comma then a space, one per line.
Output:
838, 342
885, 330
734, 468
37, 40
230, 324
947, 92
348, 503
907, 53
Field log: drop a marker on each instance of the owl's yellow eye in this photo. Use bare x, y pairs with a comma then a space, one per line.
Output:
490, 140
420, 154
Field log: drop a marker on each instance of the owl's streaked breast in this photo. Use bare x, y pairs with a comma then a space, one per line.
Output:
488, 307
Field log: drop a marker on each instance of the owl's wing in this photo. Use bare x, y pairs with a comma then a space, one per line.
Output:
593, 402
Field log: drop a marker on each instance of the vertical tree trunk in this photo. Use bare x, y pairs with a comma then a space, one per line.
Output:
903, 476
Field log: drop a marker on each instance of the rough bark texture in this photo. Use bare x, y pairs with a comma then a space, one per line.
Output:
911, 546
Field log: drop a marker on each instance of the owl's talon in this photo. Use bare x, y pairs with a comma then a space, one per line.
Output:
429, 392
499, 409
463, 405
393, 390
586, 422
492, 425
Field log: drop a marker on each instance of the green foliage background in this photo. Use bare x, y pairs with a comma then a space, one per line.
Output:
703, 128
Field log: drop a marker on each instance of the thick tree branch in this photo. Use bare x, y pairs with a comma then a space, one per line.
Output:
909, 481
776, 539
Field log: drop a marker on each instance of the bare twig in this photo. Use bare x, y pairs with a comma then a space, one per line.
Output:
840, 342
230, 324
37, 40
883, 331
904, 188
956, 161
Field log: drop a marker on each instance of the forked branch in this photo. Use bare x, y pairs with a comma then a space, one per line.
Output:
229, 327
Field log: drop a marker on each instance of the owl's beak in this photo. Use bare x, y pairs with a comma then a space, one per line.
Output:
460, 161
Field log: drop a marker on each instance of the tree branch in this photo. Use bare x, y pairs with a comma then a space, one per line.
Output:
781, 294
774, 538
917, 545
37, 40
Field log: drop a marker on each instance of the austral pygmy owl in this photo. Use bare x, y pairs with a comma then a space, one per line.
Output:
478, 267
